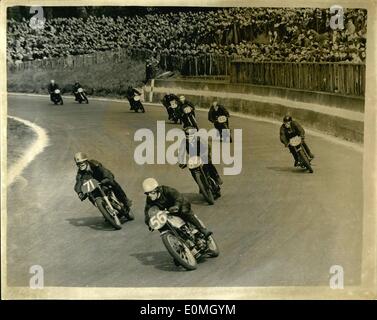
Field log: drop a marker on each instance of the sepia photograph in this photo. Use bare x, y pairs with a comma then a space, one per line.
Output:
188, 150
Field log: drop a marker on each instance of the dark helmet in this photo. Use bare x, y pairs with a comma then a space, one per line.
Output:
287, 118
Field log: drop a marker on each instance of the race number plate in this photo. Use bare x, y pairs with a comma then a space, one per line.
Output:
89, 185
158, 220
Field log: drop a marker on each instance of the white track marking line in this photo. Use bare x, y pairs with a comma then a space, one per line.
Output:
352, 145
36, 148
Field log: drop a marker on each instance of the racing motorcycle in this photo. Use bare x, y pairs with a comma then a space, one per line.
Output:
208, 187
81, 96
137, 104
304, 162
188, 117
56, 97
223, 128
175, 117
185, 243
103, 197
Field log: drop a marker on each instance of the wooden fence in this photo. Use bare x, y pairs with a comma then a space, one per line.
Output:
341, 78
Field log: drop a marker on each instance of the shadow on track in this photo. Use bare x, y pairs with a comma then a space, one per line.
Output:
286, 169
96, 223
195, 198
161, 260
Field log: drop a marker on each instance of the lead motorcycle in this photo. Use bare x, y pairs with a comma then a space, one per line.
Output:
208, 187
56, 97
304, 162
185, 243
103, 197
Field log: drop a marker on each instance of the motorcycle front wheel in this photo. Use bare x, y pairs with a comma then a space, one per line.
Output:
305, 160
114, 221
204, 188
179, 251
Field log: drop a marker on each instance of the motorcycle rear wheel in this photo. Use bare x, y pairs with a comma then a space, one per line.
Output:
179, 251
114, 221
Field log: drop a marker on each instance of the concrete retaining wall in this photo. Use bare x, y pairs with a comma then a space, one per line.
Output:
346, 128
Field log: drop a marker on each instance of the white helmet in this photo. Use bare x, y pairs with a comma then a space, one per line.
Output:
182, 98
80, 157
149, 185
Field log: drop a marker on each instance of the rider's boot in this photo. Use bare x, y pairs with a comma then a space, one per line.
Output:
194, 220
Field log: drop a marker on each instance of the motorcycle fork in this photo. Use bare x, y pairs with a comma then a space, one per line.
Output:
106, 198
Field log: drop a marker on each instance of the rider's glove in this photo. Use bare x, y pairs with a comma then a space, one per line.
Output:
182, 166
82, 196
174, 209
105, 181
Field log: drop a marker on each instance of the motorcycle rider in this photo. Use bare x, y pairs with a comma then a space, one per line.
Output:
165, 197
131, 93
290, 129
216, 111
88, 169
166, 100
183, 103
51, 88
193, 145
75, 89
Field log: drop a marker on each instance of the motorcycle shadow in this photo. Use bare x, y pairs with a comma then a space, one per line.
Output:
161, 260
96, 223
286, 169
195, 198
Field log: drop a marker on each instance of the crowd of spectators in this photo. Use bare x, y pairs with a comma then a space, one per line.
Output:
260, 34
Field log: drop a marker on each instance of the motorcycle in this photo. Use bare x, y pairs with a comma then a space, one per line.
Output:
208, 187
175, 112
188, 117
184, 242
304, 162
81, 96
56, 97
223, 128
103, 197
137, 104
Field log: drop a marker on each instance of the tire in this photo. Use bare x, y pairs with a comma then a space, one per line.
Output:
305, 160
206, 192
213, 248
185, 259
130, 215
101, 207
193, 121
80, 101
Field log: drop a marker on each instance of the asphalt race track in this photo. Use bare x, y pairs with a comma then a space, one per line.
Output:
275, 225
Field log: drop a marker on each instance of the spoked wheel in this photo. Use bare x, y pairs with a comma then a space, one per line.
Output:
179, 251
113, 220
213, 249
